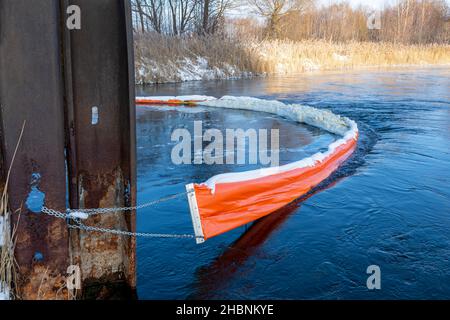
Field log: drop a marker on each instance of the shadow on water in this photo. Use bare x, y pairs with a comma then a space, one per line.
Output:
214, 277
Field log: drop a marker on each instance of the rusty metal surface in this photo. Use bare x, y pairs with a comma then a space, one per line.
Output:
132, 136
102, 154
2, 160
31, 89
52, 78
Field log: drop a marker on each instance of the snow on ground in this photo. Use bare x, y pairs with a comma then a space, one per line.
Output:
4, 293
4, 290
186, 69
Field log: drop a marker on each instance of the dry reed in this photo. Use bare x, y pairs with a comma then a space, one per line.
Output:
8, 264
159, 58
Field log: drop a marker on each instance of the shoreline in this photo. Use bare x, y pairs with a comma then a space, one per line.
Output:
212, 59
370, 68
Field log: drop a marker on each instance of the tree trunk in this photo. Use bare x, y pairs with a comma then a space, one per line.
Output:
206, 16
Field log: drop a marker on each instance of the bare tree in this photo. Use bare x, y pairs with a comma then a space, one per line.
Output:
205, 16
176, 17
182, 13
139, 12
416, 21
212, 15
405, 21
274, 10
149, 12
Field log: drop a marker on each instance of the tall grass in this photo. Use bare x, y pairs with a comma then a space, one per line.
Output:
8, 264
292, 57
160, 58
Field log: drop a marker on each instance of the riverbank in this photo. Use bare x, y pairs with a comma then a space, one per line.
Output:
162, 59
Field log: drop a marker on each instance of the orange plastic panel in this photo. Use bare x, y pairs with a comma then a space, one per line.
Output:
238, 203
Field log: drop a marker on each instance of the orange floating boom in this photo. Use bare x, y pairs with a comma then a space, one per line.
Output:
143, 102
238, 203
172, 101
230, 200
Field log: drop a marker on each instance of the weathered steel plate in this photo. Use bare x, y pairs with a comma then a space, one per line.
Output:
31, 89
102, 156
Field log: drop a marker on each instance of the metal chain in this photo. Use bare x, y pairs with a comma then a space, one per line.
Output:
80, 226
54, 213
91, 212
84, 227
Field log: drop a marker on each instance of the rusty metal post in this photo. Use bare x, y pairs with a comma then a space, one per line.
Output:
75, 89
31, 89
2, 160
99, 73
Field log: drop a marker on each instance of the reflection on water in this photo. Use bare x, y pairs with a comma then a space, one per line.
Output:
392, 209
213, 278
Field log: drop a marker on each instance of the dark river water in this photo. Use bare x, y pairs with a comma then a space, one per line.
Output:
389, 205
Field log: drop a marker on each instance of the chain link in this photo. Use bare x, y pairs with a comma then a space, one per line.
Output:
54, 213
91, 212
84, 227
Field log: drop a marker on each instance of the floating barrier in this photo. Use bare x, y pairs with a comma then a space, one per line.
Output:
230, 200
173, 101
